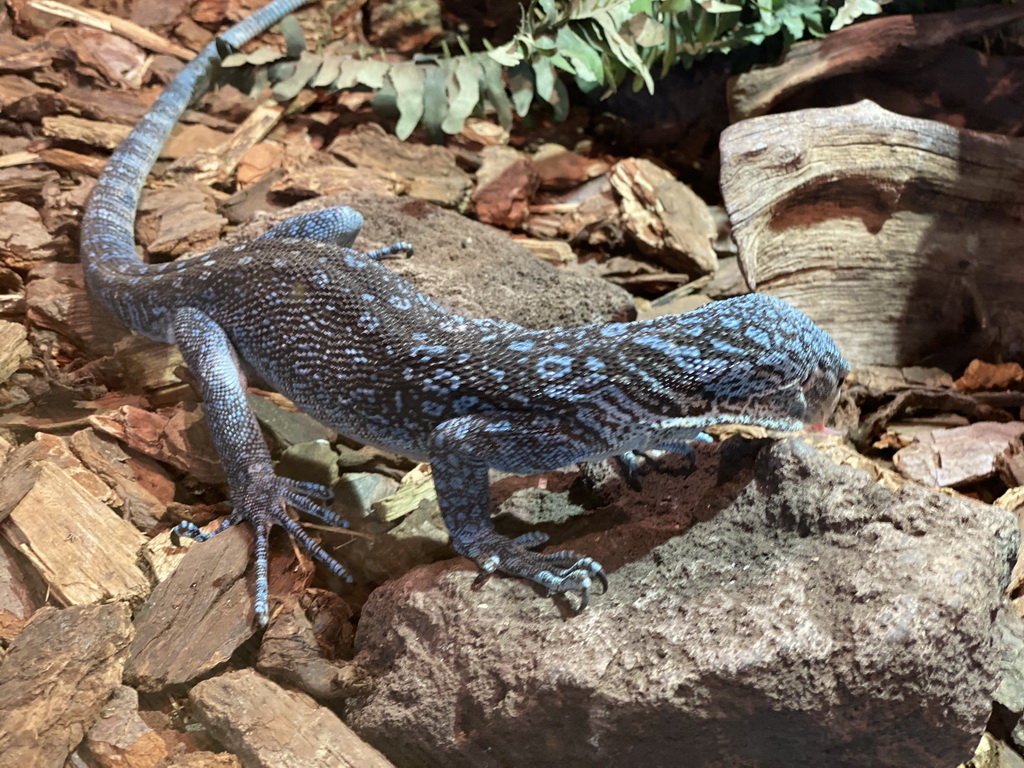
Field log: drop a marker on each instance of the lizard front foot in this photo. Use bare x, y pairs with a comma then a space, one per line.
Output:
559, 572
262, 502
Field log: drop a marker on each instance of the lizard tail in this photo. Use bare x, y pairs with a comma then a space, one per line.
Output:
108, 225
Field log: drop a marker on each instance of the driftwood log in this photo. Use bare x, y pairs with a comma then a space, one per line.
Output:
903, 237
891, 42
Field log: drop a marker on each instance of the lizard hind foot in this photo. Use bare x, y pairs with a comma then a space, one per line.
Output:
561, 572
263, 501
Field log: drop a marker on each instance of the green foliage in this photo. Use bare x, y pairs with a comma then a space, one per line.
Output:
599, 43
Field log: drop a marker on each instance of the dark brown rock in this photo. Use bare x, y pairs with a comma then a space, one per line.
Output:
816, 617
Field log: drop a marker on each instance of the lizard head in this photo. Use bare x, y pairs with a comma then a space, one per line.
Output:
793, 369
749, 360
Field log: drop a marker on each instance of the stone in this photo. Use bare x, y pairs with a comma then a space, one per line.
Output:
809, 612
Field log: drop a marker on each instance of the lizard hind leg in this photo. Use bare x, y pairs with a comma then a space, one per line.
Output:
257, 493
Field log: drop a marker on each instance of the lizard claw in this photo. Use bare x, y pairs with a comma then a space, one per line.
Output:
559, 572
262, 503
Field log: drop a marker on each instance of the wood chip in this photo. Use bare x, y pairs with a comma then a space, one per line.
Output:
982, 376
57, 677
293, 648
557, 252
666, 219
142, 488
14, 348
415, 488
560, 169
120, 737
254, 716
91, 132
75, 162
954, 457
430, 171
197, 618
177, 436
179, 220
107, 22
84, 551
505, 183
24, 239
857, 48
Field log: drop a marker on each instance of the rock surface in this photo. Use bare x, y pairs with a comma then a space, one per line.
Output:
811, 616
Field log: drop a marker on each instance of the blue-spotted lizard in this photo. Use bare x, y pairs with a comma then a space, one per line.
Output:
359, 348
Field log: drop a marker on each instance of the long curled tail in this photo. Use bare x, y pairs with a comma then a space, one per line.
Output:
108, 225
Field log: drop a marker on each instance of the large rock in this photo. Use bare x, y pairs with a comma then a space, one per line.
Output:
816, 619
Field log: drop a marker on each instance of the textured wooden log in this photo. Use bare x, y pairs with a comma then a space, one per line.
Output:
863, 47
901, 236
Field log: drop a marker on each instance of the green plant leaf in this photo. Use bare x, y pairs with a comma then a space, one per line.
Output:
372, 74
494, 91
435, 102
852, 9
520, 85
294, 40
407, 80
585, 60
305, 69
467, 75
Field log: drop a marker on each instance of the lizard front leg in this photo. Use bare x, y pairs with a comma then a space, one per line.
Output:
462, 451
257, 493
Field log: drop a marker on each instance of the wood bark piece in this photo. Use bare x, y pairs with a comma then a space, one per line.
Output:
252, 131
947, 458
295, 647
91, 132
178, 436
24, 240
84, 551
269, 726
22, 592
25, 184
109, 23
431, 171
120, 737
56, 299
858, 48
179, 220
505, 182
58, 675
668, 221
74, 162
197, 618
142, 488
14, 348
561, 169
893, 233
